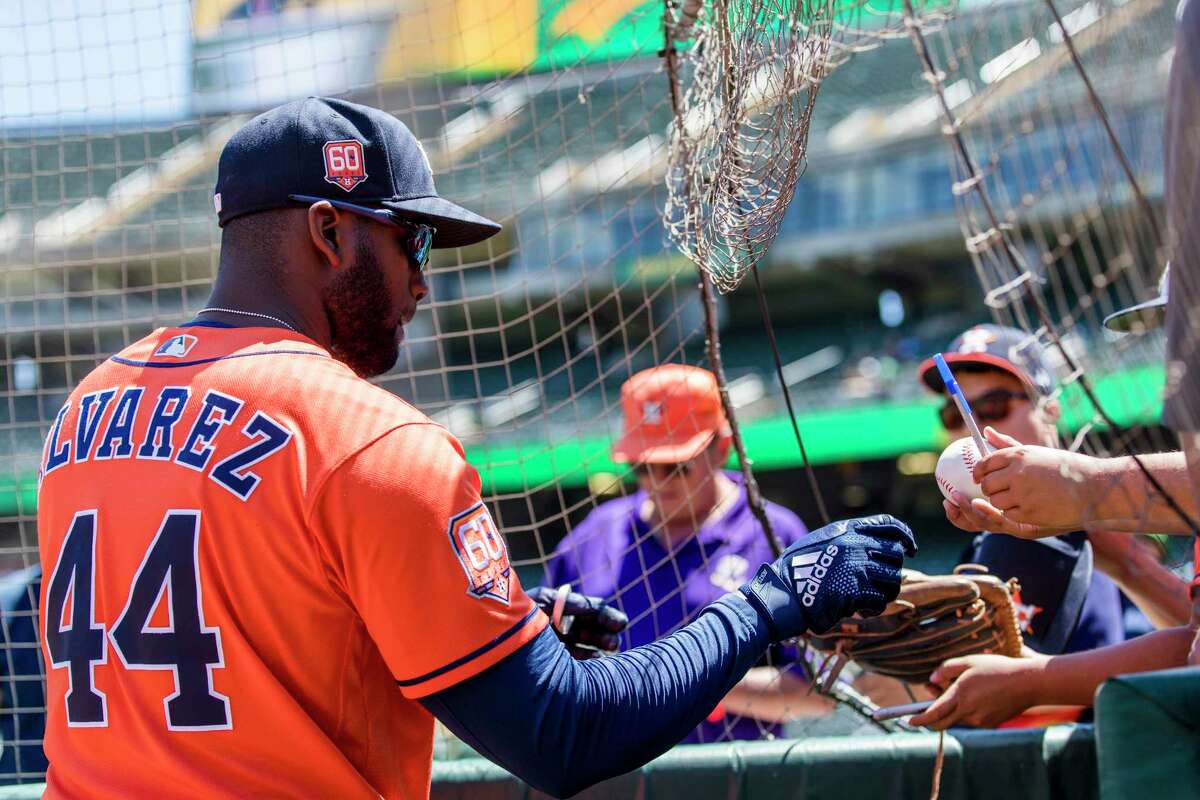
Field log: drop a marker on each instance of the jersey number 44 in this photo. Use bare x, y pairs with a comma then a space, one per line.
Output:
185, 646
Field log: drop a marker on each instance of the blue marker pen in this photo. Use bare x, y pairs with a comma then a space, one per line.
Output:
960, 401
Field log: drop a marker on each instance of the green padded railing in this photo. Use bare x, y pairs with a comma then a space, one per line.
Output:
1148, 740
1042, 764
1037, 764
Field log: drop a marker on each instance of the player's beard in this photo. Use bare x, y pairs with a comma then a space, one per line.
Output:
360, 316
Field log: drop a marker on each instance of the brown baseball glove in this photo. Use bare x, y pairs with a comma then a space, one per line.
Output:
934, 618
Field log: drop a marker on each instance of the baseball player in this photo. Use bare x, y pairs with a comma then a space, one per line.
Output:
686, 537
265, 576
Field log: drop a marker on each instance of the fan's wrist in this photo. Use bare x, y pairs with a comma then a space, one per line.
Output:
1036, 682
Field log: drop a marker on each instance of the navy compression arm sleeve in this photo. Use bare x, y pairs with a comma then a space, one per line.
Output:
562, 725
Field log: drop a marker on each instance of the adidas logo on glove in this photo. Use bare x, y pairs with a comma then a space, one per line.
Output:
847, 567
807, 571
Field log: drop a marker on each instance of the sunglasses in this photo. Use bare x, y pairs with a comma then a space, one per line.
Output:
417, 244
419, 241
666, 470
989, 407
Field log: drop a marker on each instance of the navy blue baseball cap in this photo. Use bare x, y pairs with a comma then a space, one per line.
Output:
356, 157
999, 347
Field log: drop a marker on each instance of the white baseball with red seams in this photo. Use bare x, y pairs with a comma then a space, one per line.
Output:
954, 469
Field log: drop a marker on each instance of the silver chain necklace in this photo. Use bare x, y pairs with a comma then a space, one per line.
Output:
247, 314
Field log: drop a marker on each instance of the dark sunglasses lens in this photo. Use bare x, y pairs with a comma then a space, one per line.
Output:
422, 241
663, 470
992, 407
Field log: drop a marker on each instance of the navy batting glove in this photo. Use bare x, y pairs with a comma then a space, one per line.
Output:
846, 567
587, 625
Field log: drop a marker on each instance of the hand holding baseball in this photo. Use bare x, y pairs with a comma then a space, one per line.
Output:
955, 469
1029, 491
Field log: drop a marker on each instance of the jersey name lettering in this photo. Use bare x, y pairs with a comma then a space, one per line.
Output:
100, 435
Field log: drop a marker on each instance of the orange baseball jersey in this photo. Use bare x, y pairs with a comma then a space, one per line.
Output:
255, 563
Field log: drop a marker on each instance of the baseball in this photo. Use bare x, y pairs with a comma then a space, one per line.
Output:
954, 467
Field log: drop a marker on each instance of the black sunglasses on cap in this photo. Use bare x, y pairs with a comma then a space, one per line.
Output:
988, 408
420, 239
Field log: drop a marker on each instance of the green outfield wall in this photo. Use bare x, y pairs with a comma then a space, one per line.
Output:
856, 433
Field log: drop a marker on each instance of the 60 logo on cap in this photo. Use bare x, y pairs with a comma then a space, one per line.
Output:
344, 163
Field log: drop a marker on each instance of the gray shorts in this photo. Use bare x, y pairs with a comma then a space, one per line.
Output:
1181, 399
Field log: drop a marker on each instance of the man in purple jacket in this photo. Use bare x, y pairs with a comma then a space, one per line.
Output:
685, 538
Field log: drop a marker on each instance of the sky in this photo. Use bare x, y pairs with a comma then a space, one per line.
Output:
72, 62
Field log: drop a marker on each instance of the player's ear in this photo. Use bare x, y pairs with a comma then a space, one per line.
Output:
323, 231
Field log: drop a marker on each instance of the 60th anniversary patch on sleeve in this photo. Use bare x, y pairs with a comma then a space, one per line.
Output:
481, 551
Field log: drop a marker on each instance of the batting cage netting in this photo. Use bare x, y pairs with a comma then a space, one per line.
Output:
1052, 116
1031, 129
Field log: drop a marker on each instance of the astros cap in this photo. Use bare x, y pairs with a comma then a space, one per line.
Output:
672, 413
1144, 316
1009, 349
356, 157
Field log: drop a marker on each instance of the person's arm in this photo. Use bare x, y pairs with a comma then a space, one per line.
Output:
428, 573
985, 690
1125, 500
771, 693
561, 724
775, 695
1037, 491
1133, 565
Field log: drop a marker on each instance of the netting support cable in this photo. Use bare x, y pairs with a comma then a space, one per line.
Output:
765, 312
712, 344
1102, 114
953, 131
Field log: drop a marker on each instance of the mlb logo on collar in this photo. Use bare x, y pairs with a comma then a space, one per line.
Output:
344, 163
177, 346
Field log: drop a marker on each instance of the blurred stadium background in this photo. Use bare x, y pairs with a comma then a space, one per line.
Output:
552, 116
